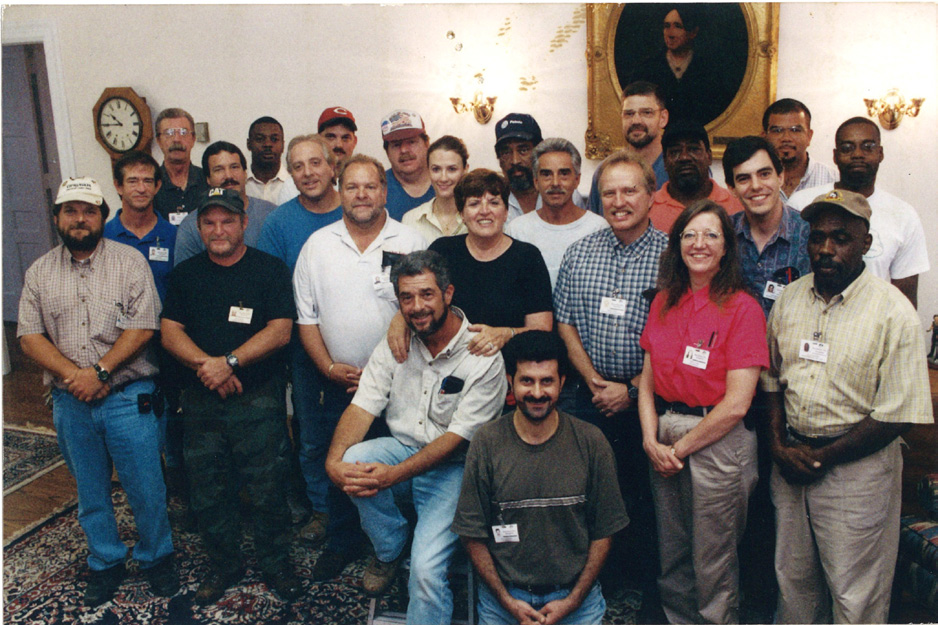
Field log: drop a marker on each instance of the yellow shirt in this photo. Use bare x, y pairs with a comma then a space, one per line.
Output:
875, 363
425, 222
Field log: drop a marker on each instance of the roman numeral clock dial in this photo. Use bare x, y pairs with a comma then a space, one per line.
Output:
122, 122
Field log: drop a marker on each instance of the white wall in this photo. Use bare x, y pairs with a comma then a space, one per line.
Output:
228, 65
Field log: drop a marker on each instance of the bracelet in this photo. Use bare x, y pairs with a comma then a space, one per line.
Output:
332, 364
512, 332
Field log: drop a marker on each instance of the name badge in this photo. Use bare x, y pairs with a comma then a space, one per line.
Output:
814, 350
696, 357
506, 533
176, 218
121, 321
772, 290
240, 315
612, 306
382, 280
160, 254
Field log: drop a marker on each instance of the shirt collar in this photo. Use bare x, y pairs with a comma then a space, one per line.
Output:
847, 294
454, 343
282, 176
745, 229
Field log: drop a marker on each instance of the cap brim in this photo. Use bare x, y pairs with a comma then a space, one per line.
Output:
403, 133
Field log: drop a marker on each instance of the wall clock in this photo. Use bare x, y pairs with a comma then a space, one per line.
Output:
122, 122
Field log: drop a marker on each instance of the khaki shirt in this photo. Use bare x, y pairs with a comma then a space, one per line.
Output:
875, 364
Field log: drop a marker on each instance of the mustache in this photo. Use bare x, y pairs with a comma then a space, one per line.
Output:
641, 127
229, 182
177, 147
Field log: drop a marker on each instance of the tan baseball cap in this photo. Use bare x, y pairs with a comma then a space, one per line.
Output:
852, 202
80, 190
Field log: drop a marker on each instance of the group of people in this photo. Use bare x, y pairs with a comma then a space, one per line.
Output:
637, 343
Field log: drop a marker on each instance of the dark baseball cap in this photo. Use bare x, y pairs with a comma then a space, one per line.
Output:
517, 126
684, 130
228, 199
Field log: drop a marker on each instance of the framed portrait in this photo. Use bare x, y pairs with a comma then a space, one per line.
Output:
725, 82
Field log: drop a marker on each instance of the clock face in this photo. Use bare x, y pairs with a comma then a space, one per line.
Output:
119, 124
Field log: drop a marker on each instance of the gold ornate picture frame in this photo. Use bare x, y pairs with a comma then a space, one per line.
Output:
743, 115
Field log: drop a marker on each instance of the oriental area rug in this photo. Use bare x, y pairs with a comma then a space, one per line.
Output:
27, 454
43, 574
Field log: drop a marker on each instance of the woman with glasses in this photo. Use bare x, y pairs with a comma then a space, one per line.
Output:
704, 347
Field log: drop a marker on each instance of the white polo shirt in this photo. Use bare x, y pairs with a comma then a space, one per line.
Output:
348, 293
428, 396
268, 191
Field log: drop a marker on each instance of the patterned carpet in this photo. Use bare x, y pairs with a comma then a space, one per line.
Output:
27, 455
43, 583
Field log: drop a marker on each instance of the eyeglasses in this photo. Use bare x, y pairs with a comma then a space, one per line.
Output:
172, 132
709, 236
848, 148
643, 113
778, 131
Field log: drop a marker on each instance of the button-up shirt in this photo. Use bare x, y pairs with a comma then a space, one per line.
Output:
84, 306
815, 175
423, 220
875, 361
161, 238
787, 248
419, 410
600, 266
268, 191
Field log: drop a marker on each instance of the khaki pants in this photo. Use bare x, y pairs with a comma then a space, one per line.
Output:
837, 541
701, 515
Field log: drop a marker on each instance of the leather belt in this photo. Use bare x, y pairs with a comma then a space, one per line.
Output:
814, 442
543, 589
679, 407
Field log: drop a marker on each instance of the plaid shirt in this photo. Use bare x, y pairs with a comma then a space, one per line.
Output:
84, 306
787, 248
875, 364
598, 266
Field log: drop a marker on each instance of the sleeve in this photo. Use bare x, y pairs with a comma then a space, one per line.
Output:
912, 257
482, 401
141, 303
472, 519
537, 289
746, 343
267, 241
29, 320
595, 200
654, 320
280, 303
304, 292
769, 376
903, 394
174, 306
374, 387
565, 280
606, 514
188, 241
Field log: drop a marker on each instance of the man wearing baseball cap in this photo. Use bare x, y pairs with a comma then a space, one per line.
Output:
406, 142
847, 377
516, 136
87, 311
228, 313
337, 126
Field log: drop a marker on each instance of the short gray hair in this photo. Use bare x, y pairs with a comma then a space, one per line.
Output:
172, 113
312, 138
556, 144
630, 157
417, 263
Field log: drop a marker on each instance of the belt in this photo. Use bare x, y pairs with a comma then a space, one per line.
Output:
123, 385
543, 589
675, 406
814, 442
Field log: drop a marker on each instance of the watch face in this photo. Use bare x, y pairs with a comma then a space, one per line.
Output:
120, 125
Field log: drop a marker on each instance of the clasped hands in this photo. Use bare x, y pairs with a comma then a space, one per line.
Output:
216, 375
361, 479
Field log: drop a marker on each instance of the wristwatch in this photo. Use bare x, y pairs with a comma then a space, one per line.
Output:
633, 390
232, 361
103, 374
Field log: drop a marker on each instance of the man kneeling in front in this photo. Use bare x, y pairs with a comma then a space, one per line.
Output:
540, 500
433, 403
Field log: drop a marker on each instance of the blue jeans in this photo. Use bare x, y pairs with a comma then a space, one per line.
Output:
434, 494
491, 612
91, 436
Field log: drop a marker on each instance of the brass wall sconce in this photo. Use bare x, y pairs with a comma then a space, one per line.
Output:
482, 108
891, 108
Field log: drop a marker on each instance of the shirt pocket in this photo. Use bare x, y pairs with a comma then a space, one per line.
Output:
105, 315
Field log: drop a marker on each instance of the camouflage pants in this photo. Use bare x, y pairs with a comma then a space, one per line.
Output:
235, 442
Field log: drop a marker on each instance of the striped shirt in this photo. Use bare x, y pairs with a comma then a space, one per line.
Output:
600, 266
875, 364
84, 306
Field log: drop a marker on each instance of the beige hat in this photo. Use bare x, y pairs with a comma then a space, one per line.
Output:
852, 202
80, 190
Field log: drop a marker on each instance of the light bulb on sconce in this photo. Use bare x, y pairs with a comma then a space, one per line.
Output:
891, 108
482, 108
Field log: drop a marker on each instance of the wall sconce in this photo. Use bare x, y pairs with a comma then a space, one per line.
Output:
891, 108
482, 108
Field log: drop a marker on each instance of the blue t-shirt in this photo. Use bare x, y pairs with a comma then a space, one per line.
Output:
287, 228
162, 237
399, 201
189, 241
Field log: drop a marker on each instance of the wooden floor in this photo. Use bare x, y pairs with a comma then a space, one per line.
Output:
23, 406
